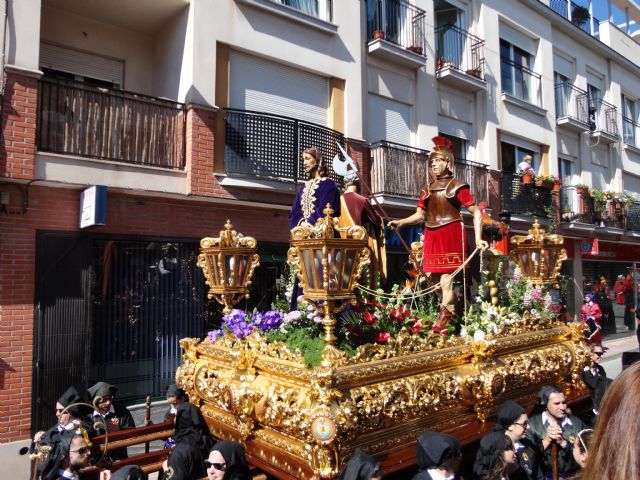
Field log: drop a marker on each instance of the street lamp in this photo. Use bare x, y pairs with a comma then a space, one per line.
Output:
538, 255
328, 268
228, 262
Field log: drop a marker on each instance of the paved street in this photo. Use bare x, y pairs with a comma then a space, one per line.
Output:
616, 345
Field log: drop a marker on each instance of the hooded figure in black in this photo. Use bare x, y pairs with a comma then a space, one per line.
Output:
76, 412
361, 467
437, 451
58, 458
236, 467
109, 415
507, 421
490, 464
193, 441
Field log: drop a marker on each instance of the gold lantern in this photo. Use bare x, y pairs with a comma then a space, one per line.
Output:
228, 263
328, 267
538, 255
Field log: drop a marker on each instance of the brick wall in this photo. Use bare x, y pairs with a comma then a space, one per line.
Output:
18, 137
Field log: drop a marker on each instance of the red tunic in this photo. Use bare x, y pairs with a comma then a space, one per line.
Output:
444, 247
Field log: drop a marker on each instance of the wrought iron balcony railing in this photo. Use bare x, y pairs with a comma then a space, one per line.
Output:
79, 119
402, 171
571, 102
631, 132
398, 22
270, 146
575, 206
525, 199
459, 49
578, 15
602, 117
521, 82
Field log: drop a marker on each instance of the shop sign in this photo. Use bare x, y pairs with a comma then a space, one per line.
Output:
590, 247
93, 206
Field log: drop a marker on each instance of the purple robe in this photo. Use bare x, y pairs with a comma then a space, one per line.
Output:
312, 199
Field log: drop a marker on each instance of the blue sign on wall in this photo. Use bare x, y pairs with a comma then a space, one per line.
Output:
93, 206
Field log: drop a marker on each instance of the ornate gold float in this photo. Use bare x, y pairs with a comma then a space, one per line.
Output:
300, 423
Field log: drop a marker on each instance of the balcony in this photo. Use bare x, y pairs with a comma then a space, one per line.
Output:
521, 86
572, 107
396, 32
267, 147
602, 121
460, 58
576, 207
401, 172
81, 120
317, 14
525, 199
578, 15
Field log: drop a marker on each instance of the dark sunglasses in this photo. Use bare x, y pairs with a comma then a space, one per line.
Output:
82, 450
598, 353
215, 465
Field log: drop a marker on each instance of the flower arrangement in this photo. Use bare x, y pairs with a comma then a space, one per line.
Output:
548, 179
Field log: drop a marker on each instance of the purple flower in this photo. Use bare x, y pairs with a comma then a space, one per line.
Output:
270, 320
214, 334
293, 316
236, 321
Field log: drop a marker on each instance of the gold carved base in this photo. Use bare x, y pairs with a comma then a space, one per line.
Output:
299, 422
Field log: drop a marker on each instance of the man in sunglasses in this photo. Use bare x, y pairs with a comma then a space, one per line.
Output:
595, 377
69, 454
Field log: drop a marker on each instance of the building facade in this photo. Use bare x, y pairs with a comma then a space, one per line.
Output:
192, 112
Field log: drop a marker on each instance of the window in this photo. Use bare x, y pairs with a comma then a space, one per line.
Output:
517, 77
594, 94
513, 155
567, 170
631, 121
563, 95
315, 8
460, 145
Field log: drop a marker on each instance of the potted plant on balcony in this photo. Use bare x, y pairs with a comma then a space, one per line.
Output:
582, 189
545, 181
527, 176
378, 34
580, 16
475, 72
415, 49
557, 185
440, 63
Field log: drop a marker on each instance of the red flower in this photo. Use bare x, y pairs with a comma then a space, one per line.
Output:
417, 326
382, 337
370, 318
400, 313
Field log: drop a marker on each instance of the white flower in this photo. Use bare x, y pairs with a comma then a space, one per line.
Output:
463, 331
478, 335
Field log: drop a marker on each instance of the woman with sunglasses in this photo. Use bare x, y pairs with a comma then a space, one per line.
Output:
226, 462
496, 457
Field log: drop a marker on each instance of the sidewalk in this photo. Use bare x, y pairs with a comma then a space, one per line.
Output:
617, 344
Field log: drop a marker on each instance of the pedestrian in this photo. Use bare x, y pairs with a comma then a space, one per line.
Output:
495, 457
614, 452
192, 443
438, 456
227, 462
109, 415
552, 425
591, 315
595, 377
361, 467
512, 419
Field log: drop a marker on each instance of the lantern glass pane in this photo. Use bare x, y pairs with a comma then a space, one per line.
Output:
347, 271
215, 271
308, 265
334, 263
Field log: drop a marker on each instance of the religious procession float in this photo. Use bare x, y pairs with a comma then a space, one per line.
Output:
355, 367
